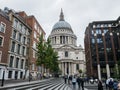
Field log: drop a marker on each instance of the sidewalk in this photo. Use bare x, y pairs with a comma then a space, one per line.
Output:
10, 83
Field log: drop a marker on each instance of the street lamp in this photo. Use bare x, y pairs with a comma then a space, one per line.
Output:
3, 77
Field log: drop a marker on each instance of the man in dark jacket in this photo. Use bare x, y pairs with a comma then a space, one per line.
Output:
79, 81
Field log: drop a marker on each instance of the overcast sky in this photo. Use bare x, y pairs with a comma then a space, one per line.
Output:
78, 13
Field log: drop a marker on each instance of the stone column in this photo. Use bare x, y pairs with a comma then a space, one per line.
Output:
99, 72
69, 68
108, 71
65, 68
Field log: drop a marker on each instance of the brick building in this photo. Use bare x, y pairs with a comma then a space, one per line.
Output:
5, 34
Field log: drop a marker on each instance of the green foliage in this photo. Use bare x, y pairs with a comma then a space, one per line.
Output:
47, 56
80, 71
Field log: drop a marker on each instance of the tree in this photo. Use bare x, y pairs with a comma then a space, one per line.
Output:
41, 52
51, 58
80, 71
47, 56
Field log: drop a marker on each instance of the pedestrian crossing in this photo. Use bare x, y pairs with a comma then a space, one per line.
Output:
52, 84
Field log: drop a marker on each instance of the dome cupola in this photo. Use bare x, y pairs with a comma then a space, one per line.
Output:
61, 24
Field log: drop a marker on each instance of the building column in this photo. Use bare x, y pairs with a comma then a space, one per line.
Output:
65, 68
69, 68
99, 72
62, 68
108, 71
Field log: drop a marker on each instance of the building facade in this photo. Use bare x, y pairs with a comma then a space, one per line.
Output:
19, 35
102, 48
63, 40
37, 31
5, 34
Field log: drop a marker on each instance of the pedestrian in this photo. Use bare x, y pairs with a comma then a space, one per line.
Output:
115, 83
107, 83
82, 83
65, 78
100, 86
69, 79
110, 84
79, 81
74, 82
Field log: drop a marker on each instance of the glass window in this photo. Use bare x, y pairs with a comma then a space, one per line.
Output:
22, 62
23, 50
19, 37
18, 49
105, 31
93, 40
1, 41
2, 27
11, 61
77, 66
98, 31
13, 46
15, 23
66, 53
24, 39
14, 34
17, 62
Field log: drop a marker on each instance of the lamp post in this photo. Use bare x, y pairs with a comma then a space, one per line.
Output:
3, 77
2, 83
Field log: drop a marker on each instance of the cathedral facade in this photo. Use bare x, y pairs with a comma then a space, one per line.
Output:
71, 57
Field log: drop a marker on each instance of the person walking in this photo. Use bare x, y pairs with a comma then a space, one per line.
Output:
82, 83
79, 81
65, 78
74, 82
100, 86
110, 84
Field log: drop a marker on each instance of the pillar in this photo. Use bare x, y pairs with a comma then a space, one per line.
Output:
99, 72
108, 71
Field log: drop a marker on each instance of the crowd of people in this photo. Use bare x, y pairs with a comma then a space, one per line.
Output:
74, 80
110, 83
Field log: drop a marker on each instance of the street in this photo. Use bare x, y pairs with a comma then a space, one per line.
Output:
45, 84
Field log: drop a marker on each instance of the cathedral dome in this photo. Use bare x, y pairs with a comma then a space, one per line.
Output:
62, 24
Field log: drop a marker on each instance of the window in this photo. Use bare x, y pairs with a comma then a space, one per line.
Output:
23, 50
66, 53
1, 41
11, 61
98, 31
18, 49
24, 39
2, 27
14, 34
76, 57
15, 23
22, 62
93, 40
20, 27
13, 46
77, 66
19, 37
17, 62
